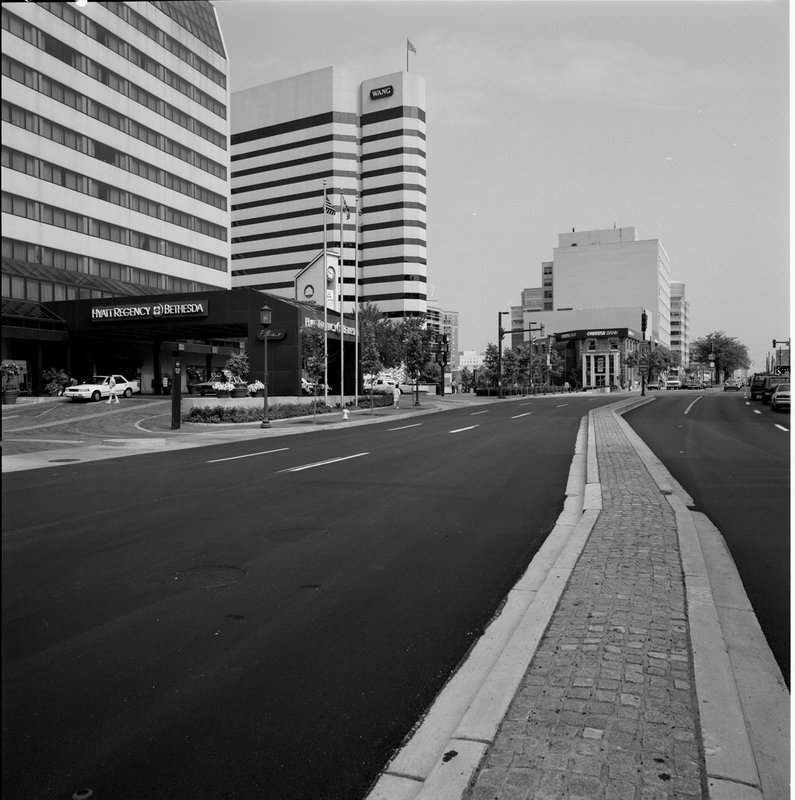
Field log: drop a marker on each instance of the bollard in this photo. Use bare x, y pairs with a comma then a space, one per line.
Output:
345, 415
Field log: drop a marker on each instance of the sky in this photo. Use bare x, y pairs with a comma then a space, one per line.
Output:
670, 116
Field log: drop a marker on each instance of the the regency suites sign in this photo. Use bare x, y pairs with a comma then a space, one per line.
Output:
148, 311
382, 91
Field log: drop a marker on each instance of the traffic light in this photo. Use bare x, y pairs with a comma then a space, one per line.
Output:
643, 320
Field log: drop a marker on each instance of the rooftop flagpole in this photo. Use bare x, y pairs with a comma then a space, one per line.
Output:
409, 49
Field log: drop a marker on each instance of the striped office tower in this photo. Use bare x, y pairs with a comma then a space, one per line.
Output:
363, 141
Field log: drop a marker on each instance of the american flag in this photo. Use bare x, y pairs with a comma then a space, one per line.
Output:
411, 46
329, 208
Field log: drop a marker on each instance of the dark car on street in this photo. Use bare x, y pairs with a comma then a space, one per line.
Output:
757, 384
771, 381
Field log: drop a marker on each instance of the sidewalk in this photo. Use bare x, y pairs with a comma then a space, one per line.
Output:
636, 669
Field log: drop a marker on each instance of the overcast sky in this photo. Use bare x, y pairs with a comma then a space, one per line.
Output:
668, 116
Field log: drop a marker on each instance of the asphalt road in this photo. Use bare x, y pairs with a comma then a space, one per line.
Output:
266, 618
733, 457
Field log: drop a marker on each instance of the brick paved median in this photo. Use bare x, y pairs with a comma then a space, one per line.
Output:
607, 708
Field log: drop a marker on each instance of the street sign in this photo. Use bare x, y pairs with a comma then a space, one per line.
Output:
644, 348
643, 361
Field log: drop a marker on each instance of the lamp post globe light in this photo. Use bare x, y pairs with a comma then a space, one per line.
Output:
265, 322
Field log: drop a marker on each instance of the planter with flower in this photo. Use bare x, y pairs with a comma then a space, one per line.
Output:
256, 389
223, 388
10, 371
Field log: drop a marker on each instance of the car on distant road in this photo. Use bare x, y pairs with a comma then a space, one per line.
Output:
694, 384
771, 382
673, 383
779, 400
652, 385
731, 386
97, 387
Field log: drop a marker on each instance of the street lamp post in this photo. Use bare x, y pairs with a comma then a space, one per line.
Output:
265, 322
500, 334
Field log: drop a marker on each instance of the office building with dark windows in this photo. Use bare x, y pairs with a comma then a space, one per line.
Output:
115, 169
363, 143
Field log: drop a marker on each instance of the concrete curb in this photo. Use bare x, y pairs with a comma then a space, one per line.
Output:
439, 759
742, 698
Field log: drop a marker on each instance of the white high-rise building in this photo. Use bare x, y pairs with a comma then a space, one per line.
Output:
680, 323
613, 268
115, 149
364, 140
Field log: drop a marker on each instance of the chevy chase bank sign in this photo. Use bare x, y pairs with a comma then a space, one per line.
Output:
148, 311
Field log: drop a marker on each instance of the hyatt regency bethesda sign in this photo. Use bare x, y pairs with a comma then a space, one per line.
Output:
331, 327
148, 311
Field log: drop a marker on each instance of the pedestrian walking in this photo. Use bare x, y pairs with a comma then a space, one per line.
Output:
396, 397
112, 384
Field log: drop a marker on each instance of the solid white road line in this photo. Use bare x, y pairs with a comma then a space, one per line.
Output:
526, 414
247, 455
323, 463
687, 410
403, 427
461, 430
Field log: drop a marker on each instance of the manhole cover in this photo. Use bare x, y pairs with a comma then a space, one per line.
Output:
208, 577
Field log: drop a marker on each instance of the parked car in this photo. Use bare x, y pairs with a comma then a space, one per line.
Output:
382, 386
757, 384
779, 400
97, 388
731, 386
771, 382
653, 385
673, 383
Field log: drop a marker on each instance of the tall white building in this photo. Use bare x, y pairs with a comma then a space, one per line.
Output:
363, 140
115, 162
614, 268
115, 148
680, 323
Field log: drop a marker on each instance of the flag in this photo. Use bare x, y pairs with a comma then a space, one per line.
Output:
329, 208
410, 46
345, 207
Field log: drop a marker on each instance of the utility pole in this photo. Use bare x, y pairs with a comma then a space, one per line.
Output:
643, 322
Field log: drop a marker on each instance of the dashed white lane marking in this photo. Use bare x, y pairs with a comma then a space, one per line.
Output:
526, 414
403, 427
247, 455
782, 428
757, 411
461, 430
562, 405
324, 463
475, 413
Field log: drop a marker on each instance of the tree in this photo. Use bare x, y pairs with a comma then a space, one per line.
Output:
488, 373
415, 340
313, 359
661, 359
466, 379
510, 366
727, 353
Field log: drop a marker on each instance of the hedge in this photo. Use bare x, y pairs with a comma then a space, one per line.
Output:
231, 413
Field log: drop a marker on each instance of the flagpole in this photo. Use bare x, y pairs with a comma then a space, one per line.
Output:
356, 299
325, 301
342, 313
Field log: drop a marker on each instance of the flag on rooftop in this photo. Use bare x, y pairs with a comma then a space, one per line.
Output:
411, 46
